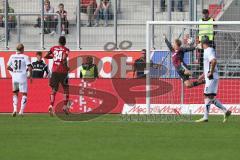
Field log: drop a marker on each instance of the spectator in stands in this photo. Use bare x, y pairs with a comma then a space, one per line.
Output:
179, 5
49, 24
11, 19
39, 67
89, 7
64, 21
103, 12
163, 5
88, 69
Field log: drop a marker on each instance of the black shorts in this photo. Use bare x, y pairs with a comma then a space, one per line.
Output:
59, 78
210, 94
141, 75
180, 72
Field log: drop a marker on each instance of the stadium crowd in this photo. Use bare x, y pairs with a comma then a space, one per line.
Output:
94, 9
11, 19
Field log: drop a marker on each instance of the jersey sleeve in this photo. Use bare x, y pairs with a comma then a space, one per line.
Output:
46, 68
33, 64
65, 14
169, 45
188, 49
27, 61
211, 55
9, 61
67, 52
51, 50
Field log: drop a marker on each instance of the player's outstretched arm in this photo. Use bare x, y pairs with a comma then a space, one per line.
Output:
169, 45
188, 49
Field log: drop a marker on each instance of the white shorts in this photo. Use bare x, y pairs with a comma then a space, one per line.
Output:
211, 87
21, 87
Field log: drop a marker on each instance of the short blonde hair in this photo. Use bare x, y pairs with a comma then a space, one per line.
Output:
20, 47
47, 1
178, 42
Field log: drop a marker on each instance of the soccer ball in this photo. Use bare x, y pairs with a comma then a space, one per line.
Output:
190, 41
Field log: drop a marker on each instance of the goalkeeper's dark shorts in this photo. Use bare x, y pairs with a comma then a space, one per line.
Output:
180, 70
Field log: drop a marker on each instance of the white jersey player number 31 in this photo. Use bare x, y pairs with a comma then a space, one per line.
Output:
17, 65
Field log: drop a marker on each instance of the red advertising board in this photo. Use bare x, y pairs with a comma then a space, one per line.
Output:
115, 64
115, 88
110, 95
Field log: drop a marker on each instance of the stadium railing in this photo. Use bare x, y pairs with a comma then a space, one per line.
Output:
18, 28
128, 22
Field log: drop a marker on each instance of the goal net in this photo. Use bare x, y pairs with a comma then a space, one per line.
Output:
174, 97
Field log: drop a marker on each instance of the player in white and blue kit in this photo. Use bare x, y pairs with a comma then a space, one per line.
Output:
212, 79
18, 65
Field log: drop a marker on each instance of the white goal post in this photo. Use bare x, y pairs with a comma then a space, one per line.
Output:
169, 24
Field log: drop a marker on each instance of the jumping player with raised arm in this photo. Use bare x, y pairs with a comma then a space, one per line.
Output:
60, 70
177, 60
19, 64
211, 77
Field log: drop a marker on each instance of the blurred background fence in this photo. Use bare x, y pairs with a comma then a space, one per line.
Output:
91, 24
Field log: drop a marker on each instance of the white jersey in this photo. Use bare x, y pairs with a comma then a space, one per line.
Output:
209, 55
19, 62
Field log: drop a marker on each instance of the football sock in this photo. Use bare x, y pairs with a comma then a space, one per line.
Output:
207, 105
66, 97
52, 99
197, 83
15, 102
219, 105
23, 104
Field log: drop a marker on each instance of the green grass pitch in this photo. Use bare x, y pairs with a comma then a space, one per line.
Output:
40, 137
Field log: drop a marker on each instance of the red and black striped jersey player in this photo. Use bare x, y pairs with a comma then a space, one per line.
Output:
60, 70
180, 66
